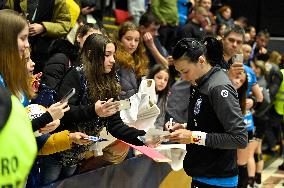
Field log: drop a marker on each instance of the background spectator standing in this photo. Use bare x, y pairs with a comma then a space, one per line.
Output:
274, 80
136, 8
48, 20
241, 21
223, 15
148, 27
194, 28
93, 9
260, 120
259, 46
219, 33
184, 8
209, 23
246, 48
167, 12
252, 33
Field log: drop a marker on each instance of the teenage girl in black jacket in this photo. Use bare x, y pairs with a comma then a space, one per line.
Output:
95, 81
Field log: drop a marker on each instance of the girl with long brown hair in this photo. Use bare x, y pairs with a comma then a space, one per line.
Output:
92, 107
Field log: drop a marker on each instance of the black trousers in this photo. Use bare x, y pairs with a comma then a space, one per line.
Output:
198, 184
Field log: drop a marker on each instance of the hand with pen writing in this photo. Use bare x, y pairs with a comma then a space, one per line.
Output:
182, 136
172, 126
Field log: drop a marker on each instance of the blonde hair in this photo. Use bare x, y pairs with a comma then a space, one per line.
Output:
274, 56
261, 65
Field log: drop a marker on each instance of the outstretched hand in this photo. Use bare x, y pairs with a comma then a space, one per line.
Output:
78, 138
106, 108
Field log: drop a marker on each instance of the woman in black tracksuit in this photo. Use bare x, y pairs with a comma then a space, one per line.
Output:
215, 127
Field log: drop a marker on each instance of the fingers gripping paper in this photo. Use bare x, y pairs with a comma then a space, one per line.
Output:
142, 113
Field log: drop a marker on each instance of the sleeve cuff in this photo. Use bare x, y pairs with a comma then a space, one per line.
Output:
198, 138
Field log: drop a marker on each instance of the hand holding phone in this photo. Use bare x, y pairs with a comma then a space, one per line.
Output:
79, 138
57, 110
70, 93
106, 108
237, 67
238, 58
95, 139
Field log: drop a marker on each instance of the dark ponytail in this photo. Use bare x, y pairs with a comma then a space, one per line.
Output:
192, 49
214, 51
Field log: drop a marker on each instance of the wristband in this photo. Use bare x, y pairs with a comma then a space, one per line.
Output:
198, 138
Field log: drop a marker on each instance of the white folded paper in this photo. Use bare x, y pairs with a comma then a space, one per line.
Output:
175, 152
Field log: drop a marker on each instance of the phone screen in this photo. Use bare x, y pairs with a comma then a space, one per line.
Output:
68, 95
238, 58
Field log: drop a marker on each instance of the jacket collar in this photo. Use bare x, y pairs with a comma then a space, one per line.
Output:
205, 77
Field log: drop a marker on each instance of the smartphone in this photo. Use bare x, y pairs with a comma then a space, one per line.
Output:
96, 139
238, 58
68, 95
124, 104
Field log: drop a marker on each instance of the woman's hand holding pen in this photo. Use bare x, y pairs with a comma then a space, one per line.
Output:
182, 136
172, 126
178, 132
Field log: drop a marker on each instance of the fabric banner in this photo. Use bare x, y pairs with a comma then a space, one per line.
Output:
138, 172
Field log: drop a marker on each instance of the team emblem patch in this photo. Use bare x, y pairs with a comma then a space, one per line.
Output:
197, 106
224, 93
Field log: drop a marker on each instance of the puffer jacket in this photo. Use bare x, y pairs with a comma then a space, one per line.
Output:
57, 142
60, 22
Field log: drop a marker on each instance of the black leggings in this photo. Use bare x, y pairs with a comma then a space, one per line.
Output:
198, 184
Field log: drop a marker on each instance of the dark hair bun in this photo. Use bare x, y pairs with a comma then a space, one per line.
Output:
214, 50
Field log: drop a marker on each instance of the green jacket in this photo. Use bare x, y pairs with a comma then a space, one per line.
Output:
166, 11
60, 23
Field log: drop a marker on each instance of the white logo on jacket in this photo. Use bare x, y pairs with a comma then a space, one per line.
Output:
224, 93
197, 106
